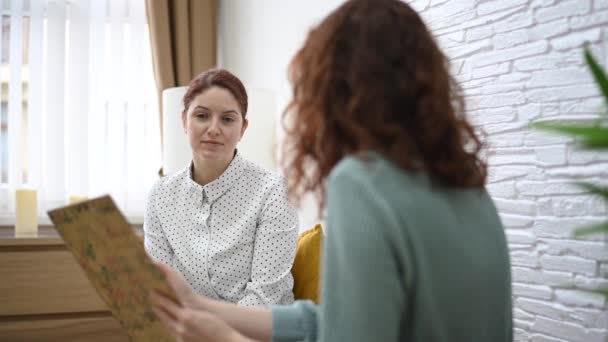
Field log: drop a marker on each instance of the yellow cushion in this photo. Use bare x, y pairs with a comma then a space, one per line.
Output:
306, 266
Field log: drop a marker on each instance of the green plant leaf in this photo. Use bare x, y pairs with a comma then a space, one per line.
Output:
598, 72
593, 136
594, 189
593, 229
602, 292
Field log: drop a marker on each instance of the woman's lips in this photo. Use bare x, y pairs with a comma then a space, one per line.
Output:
210, 142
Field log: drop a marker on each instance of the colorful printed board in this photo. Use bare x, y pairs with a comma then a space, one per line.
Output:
114, 260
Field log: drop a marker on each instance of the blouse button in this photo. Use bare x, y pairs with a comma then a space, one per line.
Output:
205, 212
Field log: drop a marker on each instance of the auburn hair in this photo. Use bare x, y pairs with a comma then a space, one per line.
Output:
370, 77
217, 78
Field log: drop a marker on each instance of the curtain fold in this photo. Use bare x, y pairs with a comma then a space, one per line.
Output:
183, 39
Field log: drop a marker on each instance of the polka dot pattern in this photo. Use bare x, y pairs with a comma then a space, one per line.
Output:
232, 239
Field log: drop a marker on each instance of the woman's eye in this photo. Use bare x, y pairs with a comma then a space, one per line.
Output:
202, 115
228, 119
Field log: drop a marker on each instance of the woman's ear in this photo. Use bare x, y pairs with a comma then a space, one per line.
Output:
184, 121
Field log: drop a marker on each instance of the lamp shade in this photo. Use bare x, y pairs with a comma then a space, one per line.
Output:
177, 153
258, 143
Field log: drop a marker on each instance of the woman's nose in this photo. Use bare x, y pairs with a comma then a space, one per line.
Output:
214, 127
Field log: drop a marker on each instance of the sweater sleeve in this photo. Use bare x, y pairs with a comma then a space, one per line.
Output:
295, 322
363, 289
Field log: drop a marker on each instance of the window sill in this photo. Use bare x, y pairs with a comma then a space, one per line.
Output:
46, 238
9, 220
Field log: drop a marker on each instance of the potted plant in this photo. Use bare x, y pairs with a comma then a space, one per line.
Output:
593, 136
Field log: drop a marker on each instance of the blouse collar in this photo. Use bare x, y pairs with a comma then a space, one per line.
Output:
216, 188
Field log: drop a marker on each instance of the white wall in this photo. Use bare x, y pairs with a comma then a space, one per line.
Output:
518, 60
258, 38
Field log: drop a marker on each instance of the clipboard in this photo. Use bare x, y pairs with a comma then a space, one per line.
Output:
113, 258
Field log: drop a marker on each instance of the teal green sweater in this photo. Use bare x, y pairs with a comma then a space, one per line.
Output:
405, 260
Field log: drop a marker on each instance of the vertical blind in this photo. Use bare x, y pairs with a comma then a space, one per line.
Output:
80, 110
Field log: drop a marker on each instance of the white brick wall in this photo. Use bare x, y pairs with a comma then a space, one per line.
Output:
521, 60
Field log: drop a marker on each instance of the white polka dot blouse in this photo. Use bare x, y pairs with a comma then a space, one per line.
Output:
233, 239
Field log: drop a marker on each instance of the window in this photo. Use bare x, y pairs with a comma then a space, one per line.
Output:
79, 108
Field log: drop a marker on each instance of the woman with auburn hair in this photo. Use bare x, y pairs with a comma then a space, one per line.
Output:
415, 250
223, 222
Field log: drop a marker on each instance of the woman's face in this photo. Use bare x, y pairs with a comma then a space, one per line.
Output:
214, 124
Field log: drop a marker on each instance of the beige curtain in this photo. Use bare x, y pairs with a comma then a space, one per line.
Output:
183, 37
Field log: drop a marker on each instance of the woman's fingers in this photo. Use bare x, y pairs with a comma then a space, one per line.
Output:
180, 286
172, 315
166, 270
201, 325
168, 313
165, 304
188, 324
169, 323
169, 273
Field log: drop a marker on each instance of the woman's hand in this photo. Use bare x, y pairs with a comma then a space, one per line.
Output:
189, 324
194, 317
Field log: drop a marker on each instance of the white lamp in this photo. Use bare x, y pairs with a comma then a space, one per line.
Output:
258, 142
176, 149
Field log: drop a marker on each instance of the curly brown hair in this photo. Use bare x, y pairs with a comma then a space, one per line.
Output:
370, 77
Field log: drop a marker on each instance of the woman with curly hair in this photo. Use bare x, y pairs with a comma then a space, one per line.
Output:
415, 250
